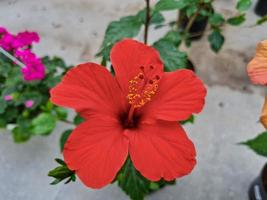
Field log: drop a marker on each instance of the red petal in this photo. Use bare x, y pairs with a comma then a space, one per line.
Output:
96, 150
162, 150
127, 56
180, 94
89, 88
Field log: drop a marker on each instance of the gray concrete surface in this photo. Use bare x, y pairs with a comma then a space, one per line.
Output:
74, 30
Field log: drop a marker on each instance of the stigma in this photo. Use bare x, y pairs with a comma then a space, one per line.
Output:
143, 86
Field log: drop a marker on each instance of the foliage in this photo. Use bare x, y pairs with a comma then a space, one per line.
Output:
134, 184
61, 173
258, 144
193, 15
39, 118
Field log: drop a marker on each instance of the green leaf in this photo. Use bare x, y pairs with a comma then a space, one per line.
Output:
154, 186
261, 20
191, 10
64, 138
56, 181
36, 96
3, 105
156, 17
4, 68
171, 4
43, 124
10, 115
60, 161
20, 134
78, 119
132, 182
51, 64
14, 77
237, 20
173, 58
3, 122
61, 113
135, 185
174, 37
216, 40
61, 173
243, 5
258, 144
51, 81
126, 27
216, 19
190, 120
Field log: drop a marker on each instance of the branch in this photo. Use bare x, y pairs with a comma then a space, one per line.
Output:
147, 20
191, 22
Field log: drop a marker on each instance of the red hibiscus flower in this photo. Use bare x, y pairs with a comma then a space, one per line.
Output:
134, 113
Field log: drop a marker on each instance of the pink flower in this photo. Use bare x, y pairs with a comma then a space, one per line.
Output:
19, 44
2, 30
25, 39
8, 97
6, 41
34, 69
28, 103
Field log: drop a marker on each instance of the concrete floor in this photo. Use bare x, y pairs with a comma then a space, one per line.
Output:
74, 30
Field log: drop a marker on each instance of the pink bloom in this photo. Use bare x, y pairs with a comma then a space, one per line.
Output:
29, 103
2, 30
6, 41
8, 97
34, 69
25, 39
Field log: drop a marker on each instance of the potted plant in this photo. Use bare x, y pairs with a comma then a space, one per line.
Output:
257, 71
25, 80
261, 8
195, 23
258, 188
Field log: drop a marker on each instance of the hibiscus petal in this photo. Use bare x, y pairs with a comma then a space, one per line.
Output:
96, 150
161, 150
127, 56
257, 68
180, 94
90, 89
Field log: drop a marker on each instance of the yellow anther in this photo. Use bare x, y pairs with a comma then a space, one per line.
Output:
141, 90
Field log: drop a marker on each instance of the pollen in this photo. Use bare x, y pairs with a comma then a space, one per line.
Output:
142, 87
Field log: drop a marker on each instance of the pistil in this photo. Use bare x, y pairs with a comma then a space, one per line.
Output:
130, 115
142, 87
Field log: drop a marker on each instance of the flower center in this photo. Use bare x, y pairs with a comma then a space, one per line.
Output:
142, 88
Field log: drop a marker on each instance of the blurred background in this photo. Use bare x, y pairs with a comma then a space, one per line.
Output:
74, 30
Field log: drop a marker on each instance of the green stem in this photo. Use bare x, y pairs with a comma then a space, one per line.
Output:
67, 121
191, 21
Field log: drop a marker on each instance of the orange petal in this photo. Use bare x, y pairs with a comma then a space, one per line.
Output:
263, 117
257, 68
261, 50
